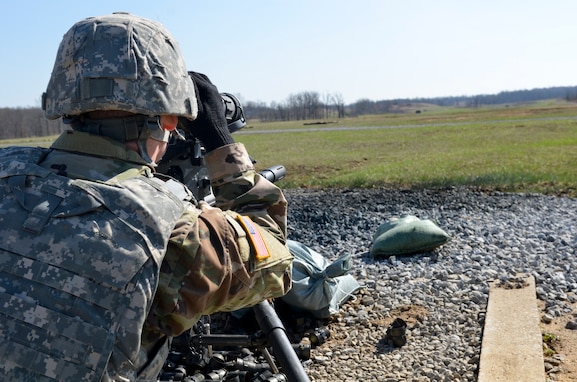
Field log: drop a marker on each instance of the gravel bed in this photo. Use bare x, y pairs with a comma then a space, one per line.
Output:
494, 236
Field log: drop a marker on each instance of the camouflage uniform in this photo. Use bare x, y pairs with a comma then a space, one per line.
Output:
205, 263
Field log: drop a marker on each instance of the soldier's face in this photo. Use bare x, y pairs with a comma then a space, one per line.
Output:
156, 149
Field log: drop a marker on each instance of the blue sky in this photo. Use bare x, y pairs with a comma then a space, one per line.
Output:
266, 50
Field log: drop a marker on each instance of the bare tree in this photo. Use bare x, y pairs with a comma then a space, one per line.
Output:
339, 103
27, 122
363, 106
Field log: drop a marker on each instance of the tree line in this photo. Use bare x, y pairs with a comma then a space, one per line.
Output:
27, 122
301, 106
308, 105
313, 105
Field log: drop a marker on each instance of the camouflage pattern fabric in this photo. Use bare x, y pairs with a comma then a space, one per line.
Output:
119, 62
74, 258
208, 264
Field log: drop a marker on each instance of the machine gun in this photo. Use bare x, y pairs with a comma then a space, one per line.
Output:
184, 158
192, 356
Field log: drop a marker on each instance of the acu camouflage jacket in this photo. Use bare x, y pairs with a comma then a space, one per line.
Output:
200, 260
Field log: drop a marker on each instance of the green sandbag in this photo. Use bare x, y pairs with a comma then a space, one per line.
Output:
406, 236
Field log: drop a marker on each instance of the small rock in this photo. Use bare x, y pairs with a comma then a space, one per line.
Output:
321, 359
571, 325
553, 361
367, 301
546, 318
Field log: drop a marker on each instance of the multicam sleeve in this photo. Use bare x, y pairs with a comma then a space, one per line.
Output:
239, 188
211, 263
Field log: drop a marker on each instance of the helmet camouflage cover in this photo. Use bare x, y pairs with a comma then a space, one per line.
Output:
119, 62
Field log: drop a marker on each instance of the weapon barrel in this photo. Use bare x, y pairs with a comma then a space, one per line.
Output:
275, 331
274, 173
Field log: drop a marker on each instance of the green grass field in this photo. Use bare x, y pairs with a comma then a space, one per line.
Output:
522, 148
527, 148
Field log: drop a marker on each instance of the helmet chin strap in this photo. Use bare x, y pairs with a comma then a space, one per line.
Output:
138, 128
153, 130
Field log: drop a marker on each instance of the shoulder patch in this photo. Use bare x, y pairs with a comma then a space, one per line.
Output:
255, 238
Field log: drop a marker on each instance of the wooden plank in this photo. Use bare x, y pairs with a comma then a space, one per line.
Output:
512, 348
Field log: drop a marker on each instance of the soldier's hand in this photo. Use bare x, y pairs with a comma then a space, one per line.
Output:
210, 126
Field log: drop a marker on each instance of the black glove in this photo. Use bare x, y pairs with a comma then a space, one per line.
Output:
210, 125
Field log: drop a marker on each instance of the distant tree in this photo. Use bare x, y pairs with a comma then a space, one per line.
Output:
339, 104
363, 106
326, 104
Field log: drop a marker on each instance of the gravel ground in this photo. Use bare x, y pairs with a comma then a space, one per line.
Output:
442, 295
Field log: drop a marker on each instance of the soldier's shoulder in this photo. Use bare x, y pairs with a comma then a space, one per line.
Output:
16, 159
25, 153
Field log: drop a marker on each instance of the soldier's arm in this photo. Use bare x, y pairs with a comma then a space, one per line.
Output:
212, 263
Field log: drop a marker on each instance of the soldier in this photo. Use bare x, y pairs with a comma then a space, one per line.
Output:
102, 260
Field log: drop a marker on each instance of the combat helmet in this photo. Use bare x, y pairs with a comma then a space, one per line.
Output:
120, 62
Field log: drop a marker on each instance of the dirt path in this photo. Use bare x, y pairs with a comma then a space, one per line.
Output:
560, 349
